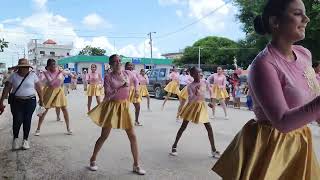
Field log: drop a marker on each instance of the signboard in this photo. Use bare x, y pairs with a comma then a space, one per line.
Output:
136, 60
71, 65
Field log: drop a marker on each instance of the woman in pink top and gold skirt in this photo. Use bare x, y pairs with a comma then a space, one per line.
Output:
95, 87
173, 86
285, 92
132, 98
143, 81
195, 110
183, 97
113, 112
219, 91
53, 93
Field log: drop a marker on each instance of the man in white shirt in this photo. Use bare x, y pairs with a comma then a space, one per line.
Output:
184, 79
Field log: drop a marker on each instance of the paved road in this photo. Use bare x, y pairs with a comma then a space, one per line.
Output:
55, 155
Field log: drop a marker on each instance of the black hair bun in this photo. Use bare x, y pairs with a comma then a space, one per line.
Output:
259, 25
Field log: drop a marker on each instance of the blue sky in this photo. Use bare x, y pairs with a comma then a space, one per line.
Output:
119, 26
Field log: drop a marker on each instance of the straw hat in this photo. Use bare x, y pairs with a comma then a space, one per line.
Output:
23, 63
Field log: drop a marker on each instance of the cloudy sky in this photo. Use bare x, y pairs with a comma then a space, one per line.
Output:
119, 26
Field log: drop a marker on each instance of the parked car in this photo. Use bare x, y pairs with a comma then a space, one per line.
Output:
158, 79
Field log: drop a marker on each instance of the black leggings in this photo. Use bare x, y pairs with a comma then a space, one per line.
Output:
22, 111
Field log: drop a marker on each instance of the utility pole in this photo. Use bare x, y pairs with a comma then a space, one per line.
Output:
35, 52
150, 42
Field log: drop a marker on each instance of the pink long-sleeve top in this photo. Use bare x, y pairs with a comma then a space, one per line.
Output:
114, 85
174, 76
219, 80
94, 78
197, 91
52, 79
136, 75
143, 80
318, 77
284, 93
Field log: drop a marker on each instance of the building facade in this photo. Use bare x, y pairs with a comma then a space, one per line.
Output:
39, 53
80, 63
173, 55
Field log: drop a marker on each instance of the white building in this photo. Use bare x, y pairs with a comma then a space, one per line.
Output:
39, 53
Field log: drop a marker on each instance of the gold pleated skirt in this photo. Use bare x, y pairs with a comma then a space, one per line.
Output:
173, 87
132, 97
94, 90
218, 93
112, 114
195, 112
261, 152
54, 97
144, 90
184, 93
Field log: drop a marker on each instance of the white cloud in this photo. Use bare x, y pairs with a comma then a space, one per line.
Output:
179, 13
171, 2
42, 24
40, 4
218, 21
215, 22
93, 21
13, 20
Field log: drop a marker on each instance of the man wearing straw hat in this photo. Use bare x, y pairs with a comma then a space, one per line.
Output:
23, 85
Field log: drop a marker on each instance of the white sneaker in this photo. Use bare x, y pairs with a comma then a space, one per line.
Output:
137, 124
69, 132
138, 170
174, 152
226, 118
25, 145
216, 154
93, 166
37, 133
15, 144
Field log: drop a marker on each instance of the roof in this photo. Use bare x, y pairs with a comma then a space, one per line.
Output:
172, 54
49, 41
105, 59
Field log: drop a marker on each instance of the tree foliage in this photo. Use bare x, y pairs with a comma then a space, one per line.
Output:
3, 44
248, 10
92, 51
214, 50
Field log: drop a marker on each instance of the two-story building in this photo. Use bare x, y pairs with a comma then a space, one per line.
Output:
39, 53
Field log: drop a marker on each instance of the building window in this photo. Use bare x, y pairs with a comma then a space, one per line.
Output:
148, 67
52, 53
42, 52
68, 54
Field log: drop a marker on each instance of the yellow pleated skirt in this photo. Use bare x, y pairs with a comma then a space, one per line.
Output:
54, 97
94, 90
195, 112
218, 93
261, 152
173, 87
184, 93
112, 114
144, 90
132, 97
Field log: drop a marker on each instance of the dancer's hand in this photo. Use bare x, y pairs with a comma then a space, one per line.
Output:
2, 107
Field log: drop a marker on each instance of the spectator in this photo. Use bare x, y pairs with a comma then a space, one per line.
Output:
23, 86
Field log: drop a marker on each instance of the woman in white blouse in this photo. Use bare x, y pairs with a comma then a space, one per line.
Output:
23, 86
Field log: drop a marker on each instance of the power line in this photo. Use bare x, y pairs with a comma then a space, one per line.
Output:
74, 29
194, 22
72, 35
